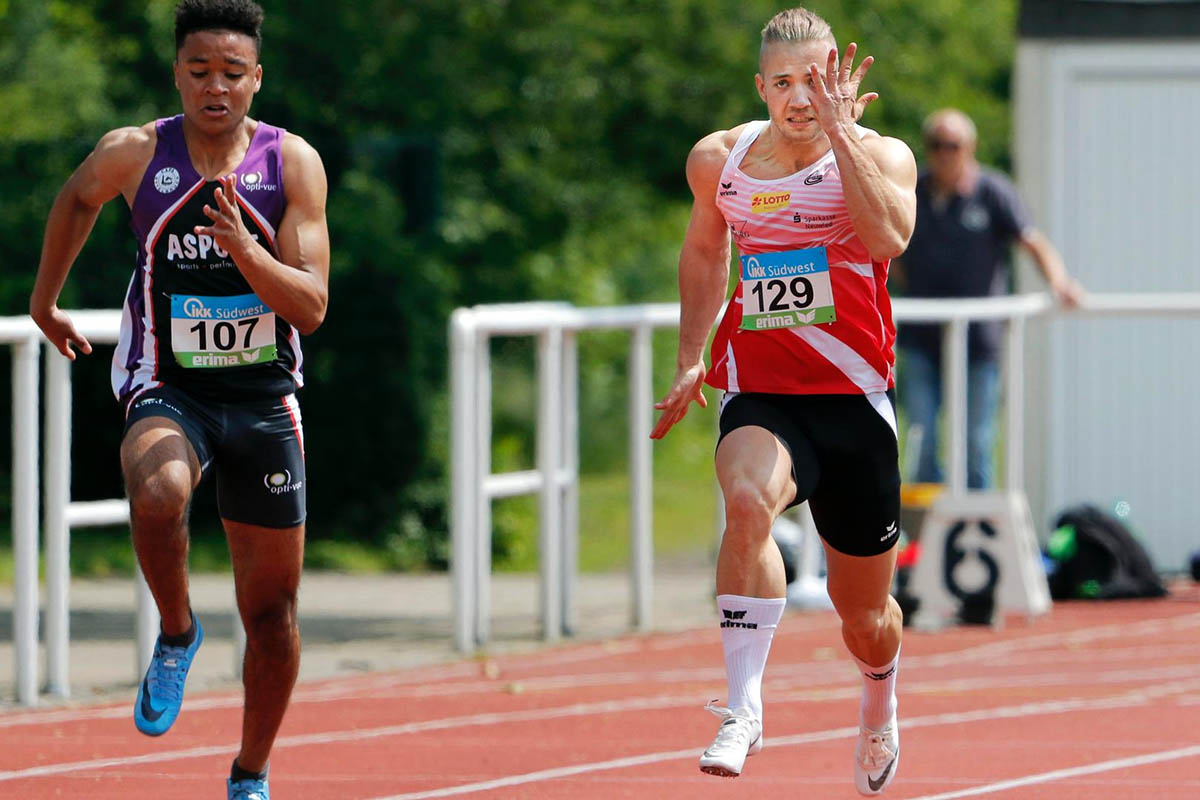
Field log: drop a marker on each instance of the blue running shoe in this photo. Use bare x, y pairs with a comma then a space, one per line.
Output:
252, 789
161, 691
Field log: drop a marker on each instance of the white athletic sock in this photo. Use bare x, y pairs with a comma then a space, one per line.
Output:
879, 692
747, 627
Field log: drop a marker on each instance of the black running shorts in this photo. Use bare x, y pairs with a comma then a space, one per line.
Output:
256, 450
845, 461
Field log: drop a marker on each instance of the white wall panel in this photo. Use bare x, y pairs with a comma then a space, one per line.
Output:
1112, 132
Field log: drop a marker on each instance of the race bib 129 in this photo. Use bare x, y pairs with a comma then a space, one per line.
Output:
782, 290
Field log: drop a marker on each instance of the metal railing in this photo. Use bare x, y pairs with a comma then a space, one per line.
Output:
25, 339
555, 478
61, 513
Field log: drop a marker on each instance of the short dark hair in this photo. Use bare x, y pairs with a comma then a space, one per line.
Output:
240, 16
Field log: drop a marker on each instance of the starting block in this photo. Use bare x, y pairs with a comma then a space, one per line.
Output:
978, 547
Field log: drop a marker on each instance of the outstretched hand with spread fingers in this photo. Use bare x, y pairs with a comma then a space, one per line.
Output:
835, 99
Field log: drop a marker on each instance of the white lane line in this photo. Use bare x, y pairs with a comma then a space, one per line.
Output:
410, 684
330, 737
1139, 696
1072, 772
1008, 712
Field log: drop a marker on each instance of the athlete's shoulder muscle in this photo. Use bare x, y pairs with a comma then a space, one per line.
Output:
304, 181
116, 165
707, 160
894, 159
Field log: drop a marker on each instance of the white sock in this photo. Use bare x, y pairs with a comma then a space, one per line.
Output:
747, 627
879, 692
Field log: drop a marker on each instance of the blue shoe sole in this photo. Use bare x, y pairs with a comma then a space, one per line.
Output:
145, 717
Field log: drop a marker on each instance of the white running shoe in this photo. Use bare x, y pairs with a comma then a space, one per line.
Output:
876, 757
740, 735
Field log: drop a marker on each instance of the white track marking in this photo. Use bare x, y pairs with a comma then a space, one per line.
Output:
1136, 697
1071, 772
1009, 712
414, 683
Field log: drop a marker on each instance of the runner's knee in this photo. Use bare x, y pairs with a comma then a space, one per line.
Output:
161, 495
271, 626
866, 622
748, 507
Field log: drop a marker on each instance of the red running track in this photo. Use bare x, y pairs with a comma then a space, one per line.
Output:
1091, 701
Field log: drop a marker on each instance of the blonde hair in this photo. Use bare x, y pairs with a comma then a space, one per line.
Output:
793, 26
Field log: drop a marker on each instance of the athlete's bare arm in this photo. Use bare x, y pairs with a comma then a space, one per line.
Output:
879, 174
296, 285
114, 167
703, 277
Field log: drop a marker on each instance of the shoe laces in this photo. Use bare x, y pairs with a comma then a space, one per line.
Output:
248, 790
737, 727
169, 672
877, 749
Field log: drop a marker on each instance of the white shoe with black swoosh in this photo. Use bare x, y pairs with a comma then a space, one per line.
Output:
876, 758
740, 735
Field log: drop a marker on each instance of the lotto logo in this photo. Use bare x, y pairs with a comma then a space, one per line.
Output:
764, 202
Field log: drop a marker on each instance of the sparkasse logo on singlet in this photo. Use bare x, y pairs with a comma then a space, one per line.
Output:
764, 202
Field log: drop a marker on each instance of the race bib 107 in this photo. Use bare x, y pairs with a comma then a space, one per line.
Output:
237, 331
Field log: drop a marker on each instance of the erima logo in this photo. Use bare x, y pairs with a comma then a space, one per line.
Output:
727, 190
889, 532
881, 676
166, 180
731, 618
814, 179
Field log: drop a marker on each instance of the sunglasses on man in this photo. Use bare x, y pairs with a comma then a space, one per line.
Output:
934, 145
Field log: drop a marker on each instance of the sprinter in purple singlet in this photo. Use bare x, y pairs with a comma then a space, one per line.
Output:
232, 267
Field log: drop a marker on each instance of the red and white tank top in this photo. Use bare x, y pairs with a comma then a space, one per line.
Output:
805, 211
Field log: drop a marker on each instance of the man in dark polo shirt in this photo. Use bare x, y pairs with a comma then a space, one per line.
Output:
968, 217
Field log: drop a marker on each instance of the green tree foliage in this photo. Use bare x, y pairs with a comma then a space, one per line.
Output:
478, 151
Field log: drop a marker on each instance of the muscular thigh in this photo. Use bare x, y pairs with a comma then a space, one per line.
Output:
856, 503
165, 439
762, 442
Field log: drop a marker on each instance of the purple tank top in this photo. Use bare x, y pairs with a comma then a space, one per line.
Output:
190, 318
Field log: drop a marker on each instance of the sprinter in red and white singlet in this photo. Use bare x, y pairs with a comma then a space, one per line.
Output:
816, 206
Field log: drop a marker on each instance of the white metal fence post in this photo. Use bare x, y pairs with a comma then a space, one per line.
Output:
464, 491
25, 517
482, 560
57, 532
1014, 406
568, 480
147, 623
954, 399
641, 494
549, 464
